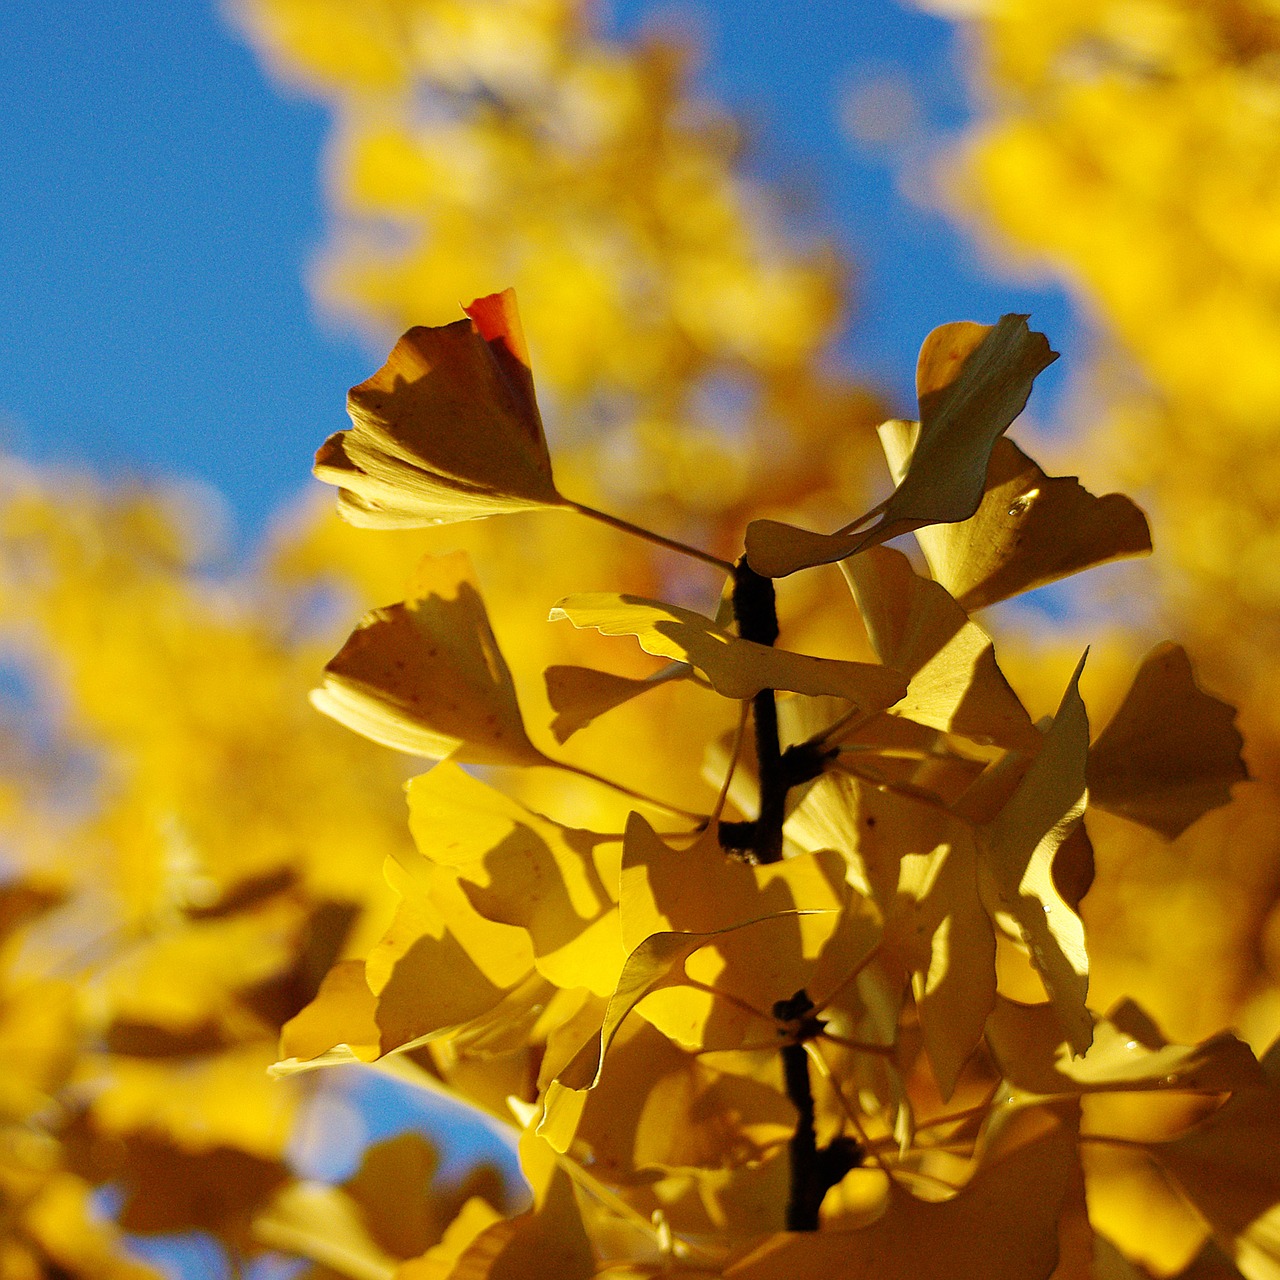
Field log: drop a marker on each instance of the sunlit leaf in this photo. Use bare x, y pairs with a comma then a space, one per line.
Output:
1029, 529
579, 694
1170, 753
1126, 1054
426, 676
1016, 865
342, 1013
518, 868
972, 381
448, 429
1226, 1167
917, 628
1003, 1225
550, 1239
737, 668
918, 864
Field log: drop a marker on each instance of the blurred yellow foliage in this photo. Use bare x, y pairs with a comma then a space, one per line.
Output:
1132, 148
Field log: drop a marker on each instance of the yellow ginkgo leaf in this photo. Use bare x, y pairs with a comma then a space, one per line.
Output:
972, 381
1226, 1167
1127, 1054
518, 868
341, 1013
735, 667
1170, 753
1016, 1197
448, 429
426, 676
1017, 850
1029, 529
917, 628
579, 694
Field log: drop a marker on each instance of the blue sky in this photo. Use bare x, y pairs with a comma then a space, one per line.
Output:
161, 202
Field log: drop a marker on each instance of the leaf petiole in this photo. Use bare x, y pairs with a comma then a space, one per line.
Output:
638, 531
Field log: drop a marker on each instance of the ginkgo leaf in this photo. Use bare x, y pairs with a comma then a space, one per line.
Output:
919, 866
448, 429
518, 868
1002, 1225
660, 1106
342, 1013
916, 627
1170, 753
579, 694
735, 667
1028, 1045
1016, 864
972, 381
427, 677
1226, 1166
550, 1239
1029, 529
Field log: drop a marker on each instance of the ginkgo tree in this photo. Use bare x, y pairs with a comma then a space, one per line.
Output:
835, 1023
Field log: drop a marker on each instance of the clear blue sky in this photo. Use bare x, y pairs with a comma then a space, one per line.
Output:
161, 201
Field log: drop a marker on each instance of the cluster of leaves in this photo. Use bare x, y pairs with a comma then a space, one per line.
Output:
187, 850
781, 1043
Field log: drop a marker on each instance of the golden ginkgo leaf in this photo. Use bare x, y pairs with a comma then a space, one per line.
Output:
1017, 849
972, 381
426, 676
1029, 529
1016, 1196
1127, 1055
917, 628
736, 668
1226, 1167
1170, 753
579, 694
448, 429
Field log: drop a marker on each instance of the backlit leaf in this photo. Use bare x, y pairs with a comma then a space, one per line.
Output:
448, 429
737, 668
1003, 1225
579, 694
1017, 852
917, 628
1170, 753
1029, 529
427, 677
972, 381
1226, 1167
1126, 1055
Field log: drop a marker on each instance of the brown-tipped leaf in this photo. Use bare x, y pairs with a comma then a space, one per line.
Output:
448, 429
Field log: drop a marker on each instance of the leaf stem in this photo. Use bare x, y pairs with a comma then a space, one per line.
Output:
674, 809
648, 535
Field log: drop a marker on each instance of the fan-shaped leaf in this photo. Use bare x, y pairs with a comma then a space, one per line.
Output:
1030, 528
972, 381
448, 429
426, 676
579, 694
1170, 753
917, 628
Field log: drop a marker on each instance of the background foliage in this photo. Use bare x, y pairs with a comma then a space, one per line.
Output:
190, 847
